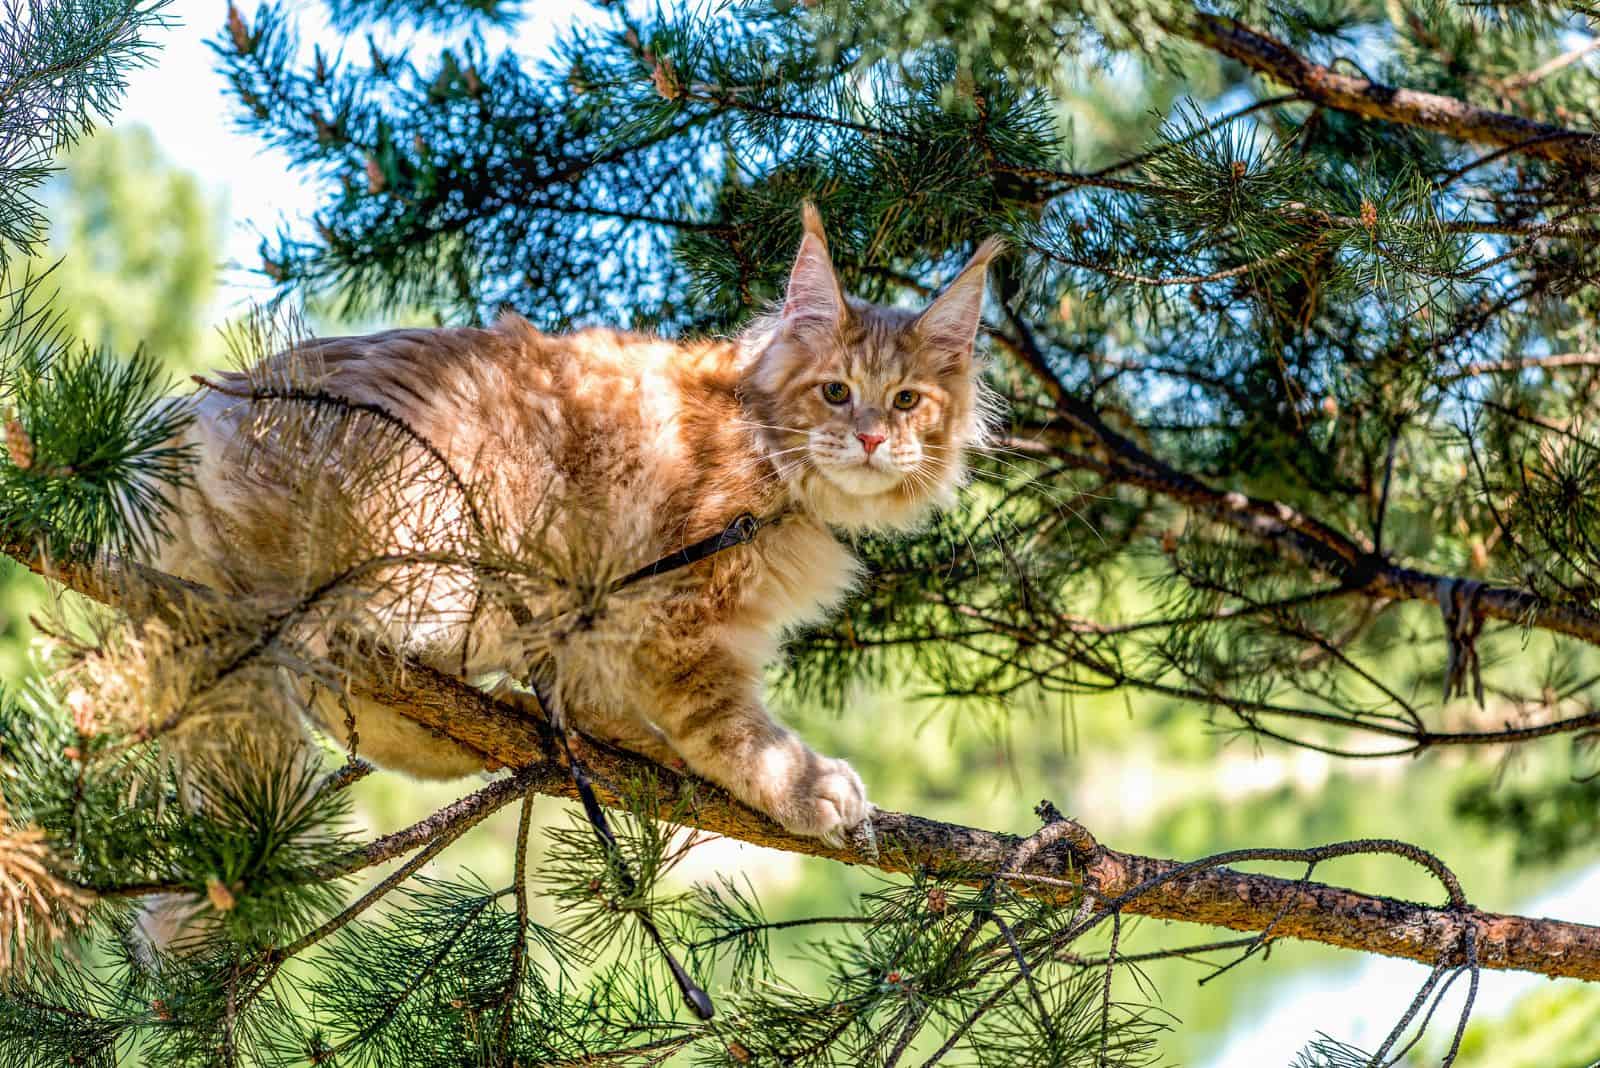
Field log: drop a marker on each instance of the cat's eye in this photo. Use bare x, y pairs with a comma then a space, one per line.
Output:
835, 392
906, 399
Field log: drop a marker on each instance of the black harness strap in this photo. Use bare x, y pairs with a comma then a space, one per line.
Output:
741, 531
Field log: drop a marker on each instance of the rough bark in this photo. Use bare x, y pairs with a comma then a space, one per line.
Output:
1059, 871
1373, 100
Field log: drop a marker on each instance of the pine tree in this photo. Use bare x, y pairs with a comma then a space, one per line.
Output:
1298, 340
130, 261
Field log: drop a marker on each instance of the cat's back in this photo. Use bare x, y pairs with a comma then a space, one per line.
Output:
584, 402
612, 424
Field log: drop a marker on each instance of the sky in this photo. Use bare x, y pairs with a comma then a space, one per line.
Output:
186, 104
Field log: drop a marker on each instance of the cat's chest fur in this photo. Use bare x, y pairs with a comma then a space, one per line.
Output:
745, 598
803, 574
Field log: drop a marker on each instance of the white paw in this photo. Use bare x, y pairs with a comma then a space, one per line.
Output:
825, 802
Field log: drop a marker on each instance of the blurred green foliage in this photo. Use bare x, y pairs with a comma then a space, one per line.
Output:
134, 244
132, 256
1548, 822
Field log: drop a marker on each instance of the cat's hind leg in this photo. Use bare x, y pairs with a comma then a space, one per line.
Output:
390, 739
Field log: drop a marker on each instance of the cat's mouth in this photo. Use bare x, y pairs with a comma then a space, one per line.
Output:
863, 478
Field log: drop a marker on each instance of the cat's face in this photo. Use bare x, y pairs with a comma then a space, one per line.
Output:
876, 402
867, 411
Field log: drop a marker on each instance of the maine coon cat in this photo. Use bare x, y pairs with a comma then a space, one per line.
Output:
831, 414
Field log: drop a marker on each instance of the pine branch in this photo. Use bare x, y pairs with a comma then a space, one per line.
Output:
1322, 85
1526, 363
1302, 538
63, 66
1519, 82
1061, 872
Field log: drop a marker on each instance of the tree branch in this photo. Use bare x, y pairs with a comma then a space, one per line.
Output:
1062, 871
1306, 540
1519, 82
1525, 363
1373, 100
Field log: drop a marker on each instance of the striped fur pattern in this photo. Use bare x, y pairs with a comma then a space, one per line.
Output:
595, 452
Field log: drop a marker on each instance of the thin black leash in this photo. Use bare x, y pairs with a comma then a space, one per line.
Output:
741, 531
694, 996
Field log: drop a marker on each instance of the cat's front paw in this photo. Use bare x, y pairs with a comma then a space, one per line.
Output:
825, 802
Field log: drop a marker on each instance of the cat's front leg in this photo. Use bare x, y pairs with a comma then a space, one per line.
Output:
713, 715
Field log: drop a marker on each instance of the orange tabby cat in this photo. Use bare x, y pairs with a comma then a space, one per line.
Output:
830, 414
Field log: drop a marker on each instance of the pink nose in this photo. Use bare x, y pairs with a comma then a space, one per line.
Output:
870, 441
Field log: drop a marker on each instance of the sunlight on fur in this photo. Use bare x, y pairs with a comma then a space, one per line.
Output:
468, 497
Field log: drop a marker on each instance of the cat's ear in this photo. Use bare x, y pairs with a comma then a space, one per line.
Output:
813, 298
950, 323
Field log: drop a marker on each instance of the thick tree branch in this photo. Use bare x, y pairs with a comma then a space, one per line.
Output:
1061, 871
1361, 96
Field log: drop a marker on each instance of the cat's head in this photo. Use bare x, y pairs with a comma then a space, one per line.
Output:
867, 411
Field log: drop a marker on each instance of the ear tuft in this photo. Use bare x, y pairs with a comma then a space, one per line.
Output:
988, 249
813, 297
811, 221
951, 321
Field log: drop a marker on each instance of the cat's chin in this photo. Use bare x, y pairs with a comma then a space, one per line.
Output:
860, 480
862, 499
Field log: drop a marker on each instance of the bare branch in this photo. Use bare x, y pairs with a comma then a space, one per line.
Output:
1358, 566
1519, 82
1525, 363
1361, 96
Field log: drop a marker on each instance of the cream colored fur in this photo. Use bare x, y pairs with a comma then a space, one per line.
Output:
614, 449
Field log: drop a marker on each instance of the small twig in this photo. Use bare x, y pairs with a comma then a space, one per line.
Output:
230, 1015
1265, 934
463, 813
780, 925
1105, 989
1175, 953
1471, 936
1410, 1014
1388, 479
461, 819
347, 774
519, 949
1026, 971
1517, 82
1272, 259
908, 1032
1427, 1018
1215, 124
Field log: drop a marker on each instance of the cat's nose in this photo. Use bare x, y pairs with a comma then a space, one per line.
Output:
870, 441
